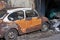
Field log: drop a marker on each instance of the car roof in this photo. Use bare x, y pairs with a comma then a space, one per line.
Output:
17, 9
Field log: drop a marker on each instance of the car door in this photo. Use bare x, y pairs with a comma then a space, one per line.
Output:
18, 18
36, 21
33, 22
28, 20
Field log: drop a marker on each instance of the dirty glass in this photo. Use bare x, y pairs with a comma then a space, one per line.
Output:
31, 13
16, 15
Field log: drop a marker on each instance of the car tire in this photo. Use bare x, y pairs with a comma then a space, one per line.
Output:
45, 27
11, 35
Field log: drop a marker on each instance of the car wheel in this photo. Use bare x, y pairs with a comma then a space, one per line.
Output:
11, 35
45, 27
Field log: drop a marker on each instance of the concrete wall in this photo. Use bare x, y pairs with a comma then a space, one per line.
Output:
21, 3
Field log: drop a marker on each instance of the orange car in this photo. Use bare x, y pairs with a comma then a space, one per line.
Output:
21, 21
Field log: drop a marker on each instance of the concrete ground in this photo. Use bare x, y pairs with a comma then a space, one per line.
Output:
40, 36
54, 37
50, 35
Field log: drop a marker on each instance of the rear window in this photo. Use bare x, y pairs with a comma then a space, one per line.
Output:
31, 13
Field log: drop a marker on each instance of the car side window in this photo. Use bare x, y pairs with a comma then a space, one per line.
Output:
30, 13
16, 16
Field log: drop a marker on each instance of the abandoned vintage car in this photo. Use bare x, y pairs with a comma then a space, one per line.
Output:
19, 21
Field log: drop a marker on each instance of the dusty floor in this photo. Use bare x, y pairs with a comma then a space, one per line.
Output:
39, 36
50, 35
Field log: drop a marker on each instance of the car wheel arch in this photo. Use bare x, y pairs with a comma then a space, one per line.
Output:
11, 29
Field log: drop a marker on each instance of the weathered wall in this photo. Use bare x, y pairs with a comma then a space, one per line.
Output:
38, 5
21, 3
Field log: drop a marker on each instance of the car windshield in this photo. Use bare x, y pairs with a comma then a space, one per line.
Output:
2, 13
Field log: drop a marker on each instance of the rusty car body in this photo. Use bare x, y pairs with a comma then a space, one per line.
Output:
23, 20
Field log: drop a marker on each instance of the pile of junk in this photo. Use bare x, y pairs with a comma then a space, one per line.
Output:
53, 13
54, 18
